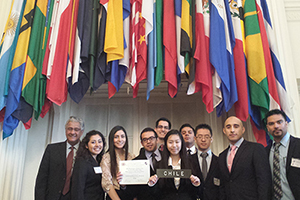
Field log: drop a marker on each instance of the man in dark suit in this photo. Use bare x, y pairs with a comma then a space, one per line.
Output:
162, 127
149, 142
289, 155
244, 166
188, 134
205, 164
53, 179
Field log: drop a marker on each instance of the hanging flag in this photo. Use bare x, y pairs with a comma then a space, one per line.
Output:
148, 8
102, 70
258, 83
119, 67
58, 56
5, 12
180, 61
8, 46
241, 106
82, 48
169, 41
222, 42
33, 89
17, 70
159, 70
203, 69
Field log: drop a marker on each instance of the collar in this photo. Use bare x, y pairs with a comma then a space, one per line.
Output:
193, 149
208, 152
238, 143
170, 162
284, 141
148, 153
75, 146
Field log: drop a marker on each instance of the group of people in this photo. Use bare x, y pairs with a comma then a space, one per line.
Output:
244, 170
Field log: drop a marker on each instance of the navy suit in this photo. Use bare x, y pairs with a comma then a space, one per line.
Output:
250, 177
209, 188
292, 173
86, 184
52, 173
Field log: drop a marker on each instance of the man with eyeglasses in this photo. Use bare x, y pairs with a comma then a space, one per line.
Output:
286, 182
187, 132
244, 166
162, 127
54, 175
150, 152
205, 164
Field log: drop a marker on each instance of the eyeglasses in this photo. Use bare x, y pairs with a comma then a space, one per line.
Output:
145, 140
165, 127
75, 129
206, 137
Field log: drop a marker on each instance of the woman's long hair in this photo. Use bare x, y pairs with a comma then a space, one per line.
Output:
182, 152
112, 152
84, 152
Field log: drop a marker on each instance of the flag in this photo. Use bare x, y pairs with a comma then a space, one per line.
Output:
119, 67
5, 10
281, 89
159, 69
257, 75
203, 70
148, 8
101, 70
241, 106
33, 89
222, 42
8, 46
81, 57
17, 70
180, 61
169, 41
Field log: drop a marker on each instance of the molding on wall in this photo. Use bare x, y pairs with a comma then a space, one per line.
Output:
292, 8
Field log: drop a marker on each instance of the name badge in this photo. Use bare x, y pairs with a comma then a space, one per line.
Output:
295, 162
216, 182
98, 170
171, 173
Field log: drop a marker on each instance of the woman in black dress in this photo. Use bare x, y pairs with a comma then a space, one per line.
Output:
87, 174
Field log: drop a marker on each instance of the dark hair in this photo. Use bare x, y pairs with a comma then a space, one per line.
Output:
186, 125
203, 126
275, 112
163, 119
148, 129
182, 152
111, 149
84, 152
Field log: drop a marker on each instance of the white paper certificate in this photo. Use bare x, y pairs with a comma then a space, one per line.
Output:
135, 172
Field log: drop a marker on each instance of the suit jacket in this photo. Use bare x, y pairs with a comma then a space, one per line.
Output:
292, 173
250, 176
209, 188
142, 192
86, 184
52, 173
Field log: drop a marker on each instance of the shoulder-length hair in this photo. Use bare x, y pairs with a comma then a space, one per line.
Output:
182, 152
111, 149
84, 152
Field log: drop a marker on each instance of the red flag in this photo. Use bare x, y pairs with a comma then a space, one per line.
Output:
260, 135
169, 41
203, 74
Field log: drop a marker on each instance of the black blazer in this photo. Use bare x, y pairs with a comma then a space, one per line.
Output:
86, 184
209, 188
142, 192
292, 173
52, 173
166, 189
250, 176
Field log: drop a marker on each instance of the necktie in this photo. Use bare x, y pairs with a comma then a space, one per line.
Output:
231, 157
204, 164
161, 147
68, 171
154, 162
189, 152
276, 174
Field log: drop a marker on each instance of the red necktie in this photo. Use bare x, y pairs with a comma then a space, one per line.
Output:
231, 157
69, 171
